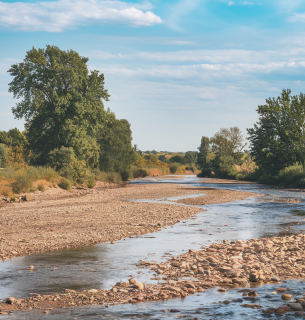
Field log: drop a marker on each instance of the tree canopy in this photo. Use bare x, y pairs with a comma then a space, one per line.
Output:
61, 102
277, 139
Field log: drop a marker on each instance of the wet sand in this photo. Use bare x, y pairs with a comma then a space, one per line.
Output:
58, 219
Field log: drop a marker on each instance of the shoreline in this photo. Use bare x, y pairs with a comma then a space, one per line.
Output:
237, 264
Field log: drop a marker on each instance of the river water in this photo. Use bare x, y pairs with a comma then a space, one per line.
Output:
102, 265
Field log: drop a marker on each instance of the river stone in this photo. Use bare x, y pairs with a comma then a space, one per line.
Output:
10, 300
139, 285
295, 306
286, 296
275, 278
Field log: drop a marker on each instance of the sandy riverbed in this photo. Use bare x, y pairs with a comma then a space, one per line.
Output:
58, 219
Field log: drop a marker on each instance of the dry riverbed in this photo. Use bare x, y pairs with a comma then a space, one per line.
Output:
58, 219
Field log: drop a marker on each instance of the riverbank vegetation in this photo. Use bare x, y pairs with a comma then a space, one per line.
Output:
277, 146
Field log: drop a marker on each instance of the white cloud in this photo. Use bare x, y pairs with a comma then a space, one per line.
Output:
231, 3
297, 17
56, 16
246, 3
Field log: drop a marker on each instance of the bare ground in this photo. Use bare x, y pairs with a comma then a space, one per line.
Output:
58, 219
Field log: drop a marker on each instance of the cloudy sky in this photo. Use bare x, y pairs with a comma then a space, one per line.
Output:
176, 70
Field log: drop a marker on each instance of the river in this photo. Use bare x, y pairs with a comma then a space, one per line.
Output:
102, 265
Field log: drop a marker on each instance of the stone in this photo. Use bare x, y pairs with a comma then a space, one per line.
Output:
10, 300
286, 296
275, 278
92, 291
139, 286
295, 306
28, 197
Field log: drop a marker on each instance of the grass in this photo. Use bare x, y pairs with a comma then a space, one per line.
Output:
298, 212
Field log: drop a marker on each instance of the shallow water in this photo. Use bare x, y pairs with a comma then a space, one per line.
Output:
101, 266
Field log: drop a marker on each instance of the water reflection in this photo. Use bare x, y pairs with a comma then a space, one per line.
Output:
101, 266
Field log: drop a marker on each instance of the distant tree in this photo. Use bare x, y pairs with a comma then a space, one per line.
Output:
4, 138
61, 102
154, 151
227, 142
177, 159
204, 149
162, 158
191, 157
3, 155
116, 150
277, 139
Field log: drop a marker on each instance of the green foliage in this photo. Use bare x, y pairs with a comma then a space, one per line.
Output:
3, 155
90, 182
116, 151
61, 158
65, 184
41, 187
204, 149
191, 158
21, 182
125, 175
60, 101
139, 173
12, 199
163, 158
152, 158
174, 167
110, 177
277, 139
177, 159
225, 167
227, 142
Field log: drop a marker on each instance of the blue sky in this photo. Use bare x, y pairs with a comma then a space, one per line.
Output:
176, 70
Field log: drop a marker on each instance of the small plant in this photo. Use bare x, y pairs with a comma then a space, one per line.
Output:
91, 182
32, 190
41, 187
13, 199
125, 175
22, 183
65, 184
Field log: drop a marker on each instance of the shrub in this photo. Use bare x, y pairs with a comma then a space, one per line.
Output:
13, 199
174, 167
114, 177
21, 182
125, 175
91, 182
65, 184
139, 173
41, 187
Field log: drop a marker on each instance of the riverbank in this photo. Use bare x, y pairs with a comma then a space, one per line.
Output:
225, 265
58, 219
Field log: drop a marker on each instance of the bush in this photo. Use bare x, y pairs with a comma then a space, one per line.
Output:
21, 182
91, 182
125, 175
174, 167
13, 199
65, 184
139, 173
41, 187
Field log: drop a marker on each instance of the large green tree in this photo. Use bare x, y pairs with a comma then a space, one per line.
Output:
61, 102
277, 139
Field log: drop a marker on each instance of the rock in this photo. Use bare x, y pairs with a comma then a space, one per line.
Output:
28, 197
69, 291
92, 291
221, 290
10, 300
252, 306
295, 306
275, 278
139, 286
31, 268
174, 310
298, 313
286, 296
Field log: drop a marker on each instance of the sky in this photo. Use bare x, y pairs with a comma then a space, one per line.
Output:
176, 70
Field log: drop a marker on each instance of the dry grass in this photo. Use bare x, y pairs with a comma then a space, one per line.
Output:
5, 188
